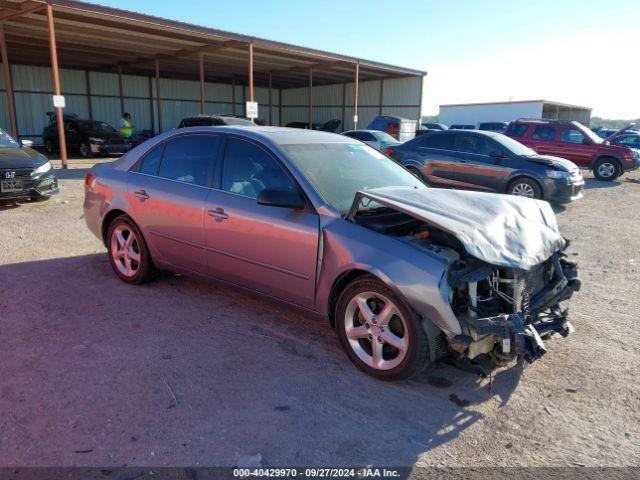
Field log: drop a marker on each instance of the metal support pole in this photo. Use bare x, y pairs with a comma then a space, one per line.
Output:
120, 89
87, 81
158, 101
270, 103
251, 72
344, 104
56, 84
201, 55
355, 96
310, 104
233, 95
8, 84
151, 115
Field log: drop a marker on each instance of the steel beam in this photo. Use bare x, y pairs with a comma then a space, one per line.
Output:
56, 84
8, 83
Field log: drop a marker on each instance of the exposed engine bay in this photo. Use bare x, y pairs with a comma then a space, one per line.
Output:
504, 312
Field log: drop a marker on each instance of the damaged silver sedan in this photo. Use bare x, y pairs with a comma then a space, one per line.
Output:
405, 273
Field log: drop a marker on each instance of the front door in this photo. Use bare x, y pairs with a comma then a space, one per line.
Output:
269, 249
478, 169
168, 194
575, 146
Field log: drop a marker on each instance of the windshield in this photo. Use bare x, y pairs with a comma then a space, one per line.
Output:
7, 141
339, 170
96, 127
514, 146
384, 137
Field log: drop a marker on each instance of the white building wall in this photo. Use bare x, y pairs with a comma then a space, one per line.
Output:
503, 112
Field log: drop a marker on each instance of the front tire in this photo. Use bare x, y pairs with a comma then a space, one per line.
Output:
607, 169
128, 252
48, 146
380, 334
524, 187
85, 150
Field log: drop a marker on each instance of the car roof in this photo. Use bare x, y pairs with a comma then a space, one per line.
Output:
276, 135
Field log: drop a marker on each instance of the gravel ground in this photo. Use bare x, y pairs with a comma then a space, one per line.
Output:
183, 372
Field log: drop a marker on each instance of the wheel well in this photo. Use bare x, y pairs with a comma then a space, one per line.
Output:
338, 286
108, 218
526, 177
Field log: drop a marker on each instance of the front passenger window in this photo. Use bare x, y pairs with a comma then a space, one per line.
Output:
248, 169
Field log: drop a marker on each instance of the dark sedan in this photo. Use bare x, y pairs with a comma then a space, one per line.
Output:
87, 137
490, 162
24, 173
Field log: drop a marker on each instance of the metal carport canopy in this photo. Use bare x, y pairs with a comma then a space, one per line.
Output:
99, 38
79, 35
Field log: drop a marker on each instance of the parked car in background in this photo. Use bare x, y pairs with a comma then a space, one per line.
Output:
608, 132
631, 140
575, 142
490, 162
432, 126
498, 127
402, 129
332, 226
374, 138
460, 126
328, 126
214, 120
86, 137
24, 173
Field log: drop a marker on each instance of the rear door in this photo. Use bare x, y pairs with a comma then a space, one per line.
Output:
436, 158
168, 192
270, 249
542, 139
478, 169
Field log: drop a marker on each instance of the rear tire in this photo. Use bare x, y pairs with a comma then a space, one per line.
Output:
607, 169
380, 334
415, 171
128, 252
48, 146
525, 187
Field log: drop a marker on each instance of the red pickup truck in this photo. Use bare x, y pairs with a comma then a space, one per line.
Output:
575, 142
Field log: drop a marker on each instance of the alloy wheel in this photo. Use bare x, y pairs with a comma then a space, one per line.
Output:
523, 190
125, 250
606, 169
376, 330
84, 150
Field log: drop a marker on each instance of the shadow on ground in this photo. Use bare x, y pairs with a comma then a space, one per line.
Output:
591, 183
98, 372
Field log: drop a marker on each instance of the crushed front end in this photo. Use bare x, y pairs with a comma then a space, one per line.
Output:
509, 312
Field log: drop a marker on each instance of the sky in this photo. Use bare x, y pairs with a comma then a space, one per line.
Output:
583, 52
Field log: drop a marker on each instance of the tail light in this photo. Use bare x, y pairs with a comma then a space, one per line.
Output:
388, 152
88, 181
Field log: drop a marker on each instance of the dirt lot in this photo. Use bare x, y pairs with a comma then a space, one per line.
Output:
181, 372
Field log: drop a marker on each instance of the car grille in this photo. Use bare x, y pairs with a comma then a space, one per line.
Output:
20, 173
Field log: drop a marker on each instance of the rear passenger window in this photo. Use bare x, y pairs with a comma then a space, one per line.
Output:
443, 142
517, 130
543, 132
151, 161
188, 158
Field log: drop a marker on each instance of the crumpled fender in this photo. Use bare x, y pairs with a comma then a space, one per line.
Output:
416, 275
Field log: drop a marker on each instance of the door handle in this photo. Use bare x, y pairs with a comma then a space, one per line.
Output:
142, 195
218, 214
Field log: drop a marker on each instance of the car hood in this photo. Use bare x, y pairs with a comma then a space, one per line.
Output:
554, 162
20, 158
502, 230
619, 132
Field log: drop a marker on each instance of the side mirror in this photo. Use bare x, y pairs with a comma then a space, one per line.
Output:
281, 197
26, 143
497, 155
586, 141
